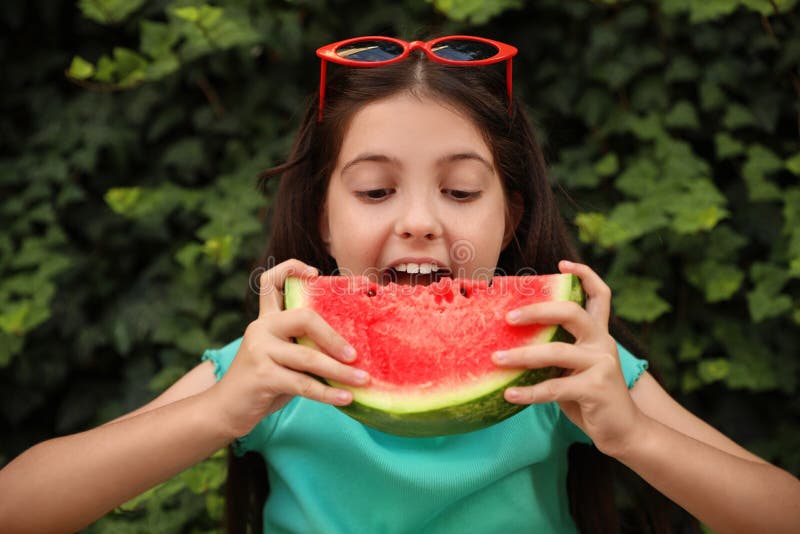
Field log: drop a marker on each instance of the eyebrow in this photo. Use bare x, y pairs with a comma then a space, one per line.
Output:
444, 160
369, 156
464, 156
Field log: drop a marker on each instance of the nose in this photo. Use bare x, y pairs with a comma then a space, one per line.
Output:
418, 219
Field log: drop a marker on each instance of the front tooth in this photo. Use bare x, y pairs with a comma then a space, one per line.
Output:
412, 268
434, 267
425, 268
400, 268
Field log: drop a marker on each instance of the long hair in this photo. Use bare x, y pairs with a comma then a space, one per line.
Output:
540, 239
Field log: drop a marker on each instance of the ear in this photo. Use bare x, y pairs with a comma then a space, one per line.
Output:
514, 211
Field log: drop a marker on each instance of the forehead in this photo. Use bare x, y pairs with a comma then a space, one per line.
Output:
409, 127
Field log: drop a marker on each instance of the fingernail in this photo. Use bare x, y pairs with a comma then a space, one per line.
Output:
513, 316
568, 264
311, 271
343, 396
360, 375
513, 394
500, 356
349, 353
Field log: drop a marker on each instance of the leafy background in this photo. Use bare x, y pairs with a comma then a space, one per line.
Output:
132, 132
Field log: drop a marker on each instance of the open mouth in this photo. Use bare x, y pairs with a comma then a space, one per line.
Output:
403, 275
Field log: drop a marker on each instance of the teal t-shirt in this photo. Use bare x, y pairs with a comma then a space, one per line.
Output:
329, 473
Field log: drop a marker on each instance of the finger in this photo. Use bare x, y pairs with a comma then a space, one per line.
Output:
305, 322
579, 387
598, 294
552, 390
270, 290
300, 384
308, 360
568, 314
558, 354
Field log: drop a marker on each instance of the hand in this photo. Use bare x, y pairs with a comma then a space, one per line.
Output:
592, 392
269, 369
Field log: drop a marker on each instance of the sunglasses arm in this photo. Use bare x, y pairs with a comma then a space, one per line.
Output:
322, 71
509, 80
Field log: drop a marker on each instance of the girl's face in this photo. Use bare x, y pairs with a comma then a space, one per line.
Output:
415, 194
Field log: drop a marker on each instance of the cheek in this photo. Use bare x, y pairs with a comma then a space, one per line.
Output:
352, 239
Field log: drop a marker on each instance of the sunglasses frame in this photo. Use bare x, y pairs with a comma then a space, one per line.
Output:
328, 53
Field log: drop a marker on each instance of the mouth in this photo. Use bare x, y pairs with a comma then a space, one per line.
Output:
410, 273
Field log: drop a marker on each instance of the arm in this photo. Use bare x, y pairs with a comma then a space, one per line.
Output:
723, 485
66, 483
713, 478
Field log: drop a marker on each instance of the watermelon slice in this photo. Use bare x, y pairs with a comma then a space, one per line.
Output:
428, 348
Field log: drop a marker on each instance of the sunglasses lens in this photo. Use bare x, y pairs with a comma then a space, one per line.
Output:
370, 51
464, 50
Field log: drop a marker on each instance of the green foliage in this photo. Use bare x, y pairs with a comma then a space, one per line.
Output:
475, 11
133, 132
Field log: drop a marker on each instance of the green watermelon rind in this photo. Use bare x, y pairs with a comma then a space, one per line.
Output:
481, 407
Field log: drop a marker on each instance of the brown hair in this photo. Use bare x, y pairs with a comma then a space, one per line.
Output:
540, 239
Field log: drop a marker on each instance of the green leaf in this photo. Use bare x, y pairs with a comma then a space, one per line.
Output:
723, 244
157, 38
765, 300
713, 370
712, 97
793, 164
682, 69
648, 94
699, 11
764, 305
80, 69
123, 200
10, 346
608, 165
129, 66
690, 382
190, 13
638, 301
718, 281
692, 348
626, 222
594, 106
727, 146
221, 250
590, 226
791, 210
13, 318
105, 69
682, 115
647, 128
769, 7
639, 179
204, 476
21, 317
474, 11
738, 116
109, 11
209, 15
698, 209
760, 163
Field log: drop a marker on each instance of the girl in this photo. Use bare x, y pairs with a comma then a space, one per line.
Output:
396, 165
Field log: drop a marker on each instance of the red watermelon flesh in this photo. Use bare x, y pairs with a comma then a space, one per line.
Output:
428, 348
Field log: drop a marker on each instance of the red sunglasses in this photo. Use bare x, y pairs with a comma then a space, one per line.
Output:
373, 51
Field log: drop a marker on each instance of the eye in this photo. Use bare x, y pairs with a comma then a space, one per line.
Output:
460, 195
374, 194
